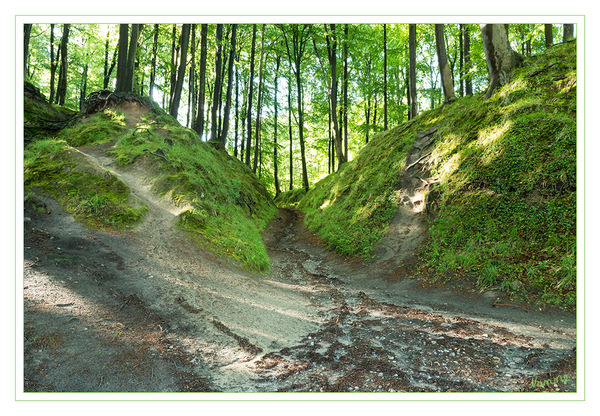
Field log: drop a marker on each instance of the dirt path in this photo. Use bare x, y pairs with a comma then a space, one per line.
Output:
146, 310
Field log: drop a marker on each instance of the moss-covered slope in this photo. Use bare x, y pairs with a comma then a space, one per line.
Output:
506, 211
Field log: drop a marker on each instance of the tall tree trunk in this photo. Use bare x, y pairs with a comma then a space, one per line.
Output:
447, 84
301, 127
199, 125
548, 35
192, 79
461, 74
249, 100
106, 45
345, 119
131, 52
290, 131
568, 32
275, 164
467, 56
385, 86
500, 58
412, 53
367, 119
83, 88
229, 88
214, 125
259, 99
331, 39
408, 103
153, 68
237, 113
52, 64
185, 38
61, 90
122, 58
174, 53
26, 37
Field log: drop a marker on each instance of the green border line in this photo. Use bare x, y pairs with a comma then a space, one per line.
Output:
16, 16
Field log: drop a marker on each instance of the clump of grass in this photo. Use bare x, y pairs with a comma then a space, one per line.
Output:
94, 197
229, 206
289, 198
99, 128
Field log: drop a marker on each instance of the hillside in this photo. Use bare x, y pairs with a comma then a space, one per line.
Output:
218, 201
499, 187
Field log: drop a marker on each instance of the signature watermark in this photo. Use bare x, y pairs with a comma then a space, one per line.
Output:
550, 382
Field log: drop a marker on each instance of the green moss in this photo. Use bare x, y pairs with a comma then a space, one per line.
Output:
290, 198
507, 190
229, 206
94, 197
99, 128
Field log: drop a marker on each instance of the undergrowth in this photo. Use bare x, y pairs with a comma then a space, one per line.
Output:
99, 128
289, 198
506, 166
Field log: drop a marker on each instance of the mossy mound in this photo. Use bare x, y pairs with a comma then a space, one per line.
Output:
42, 119
229, 206
506, 205
98, 128
94, 196
290, 198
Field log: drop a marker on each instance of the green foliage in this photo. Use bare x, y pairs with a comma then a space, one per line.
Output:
229, 207
99, 128
94, 197
507, 171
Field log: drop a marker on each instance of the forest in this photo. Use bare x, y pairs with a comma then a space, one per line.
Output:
300, 207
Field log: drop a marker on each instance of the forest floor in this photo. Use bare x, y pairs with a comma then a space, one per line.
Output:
147, 310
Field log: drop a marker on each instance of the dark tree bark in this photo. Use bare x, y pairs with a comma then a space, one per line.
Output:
185, 38
223, 138
275, 122
153, 68
412, 68
26, 37
121, 85
214, 125
199, 125
331, 39
385, 86
568, 32
461, 58
52, 64
249, 99
289, 97
259, 99
440, 45
131, 52
467, 56
83, 87
192, 79
61, 90
106, 45
548, 38
367, 119
500, 58
174, 53
237, 113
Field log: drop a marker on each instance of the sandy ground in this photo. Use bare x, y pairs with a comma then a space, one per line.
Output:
147, 310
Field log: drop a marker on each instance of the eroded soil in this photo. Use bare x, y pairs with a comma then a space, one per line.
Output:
147, 310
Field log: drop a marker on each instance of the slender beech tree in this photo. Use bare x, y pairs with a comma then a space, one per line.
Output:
289, 99
192, 79
412, 68
199, 125
446, 75
131, 54
174, 54
185, 38
225, 129
467, 56
500, 58
275, 121
331, 40
61, 90
214, 125
461, 68
26, 37
53, 64
153, 65
237, 113
257, 138
385, 80
122, 58
108, 68
249, 99
345, 118
548, 36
